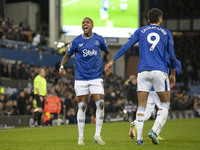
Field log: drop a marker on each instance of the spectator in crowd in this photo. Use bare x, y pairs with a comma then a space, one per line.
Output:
197, 105
4, 68
23, 72
2, 90
15, 71
11, 104
2, 102
22, 103
16, 34
53, 104
30, 109
9, 34
71, 116
131, 84
1, 32
3, 43
36, 40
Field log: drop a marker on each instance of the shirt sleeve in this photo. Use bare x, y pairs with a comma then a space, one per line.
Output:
132, 40
36, 83
72, 47
172, 55
103, 46
178, 67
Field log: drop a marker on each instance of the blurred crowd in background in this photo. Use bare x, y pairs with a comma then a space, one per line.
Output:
118, 93
29, 40
187, 51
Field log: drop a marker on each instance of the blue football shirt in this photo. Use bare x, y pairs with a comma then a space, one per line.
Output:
154, 43
88, 56
178, 65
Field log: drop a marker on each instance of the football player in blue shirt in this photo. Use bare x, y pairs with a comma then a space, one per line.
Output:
153, 99
87, 48
154, 44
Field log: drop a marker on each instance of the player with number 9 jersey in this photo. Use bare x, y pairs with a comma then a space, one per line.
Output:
155, 42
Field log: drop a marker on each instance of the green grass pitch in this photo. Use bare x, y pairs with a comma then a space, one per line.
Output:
75, 10
179, 134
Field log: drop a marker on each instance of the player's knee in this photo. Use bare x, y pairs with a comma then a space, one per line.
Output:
100, 104
147, 115
140, 111
163, 112
82, 106
164, 109
165, 105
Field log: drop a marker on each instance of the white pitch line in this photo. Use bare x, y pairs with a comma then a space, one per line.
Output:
26, 128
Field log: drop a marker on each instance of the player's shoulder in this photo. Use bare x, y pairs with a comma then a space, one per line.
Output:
97, 36
37, 77
167, 30
78, 38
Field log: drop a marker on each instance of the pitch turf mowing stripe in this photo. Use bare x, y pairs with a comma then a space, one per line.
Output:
179, 135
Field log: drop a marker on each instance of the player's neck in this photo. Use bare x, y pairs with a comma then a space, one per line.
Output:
155, 24
87, 34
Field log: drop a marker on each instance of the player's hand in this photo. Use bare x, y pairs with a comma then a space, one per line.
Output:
108, 68
62, 72
172, 80
41, 99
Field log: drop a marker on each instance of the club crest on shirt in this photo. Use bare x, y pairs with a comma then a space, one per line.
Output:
96, 42
80, 45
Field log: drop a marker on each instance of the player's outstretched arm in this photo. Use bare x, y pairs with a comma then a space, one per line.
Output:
64, 61
109, 58
108, 67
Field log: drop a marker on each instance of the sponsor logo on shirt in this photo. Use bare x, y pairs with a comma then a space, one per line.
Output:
87, 52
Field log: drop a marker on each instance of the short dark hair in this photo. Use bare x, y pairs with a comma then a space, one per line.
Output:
154, 14
89, 19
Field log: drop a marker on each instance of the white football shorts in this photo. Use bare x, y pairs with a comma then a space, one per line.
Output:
93, 86
157, 79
